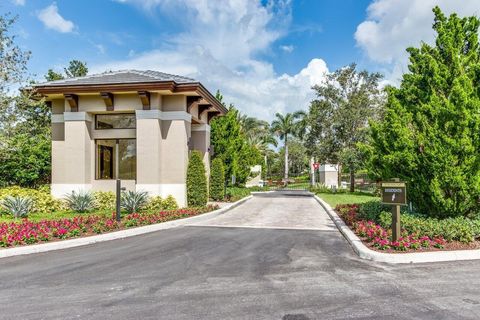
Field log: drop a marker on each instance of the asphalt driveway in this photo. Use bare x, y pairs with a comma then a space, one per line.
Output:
233, 272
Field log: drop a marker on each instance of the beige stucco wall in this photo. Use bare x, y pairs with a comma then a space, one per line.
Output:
149, 139
201, 142
94, 103
162, 150
174, 103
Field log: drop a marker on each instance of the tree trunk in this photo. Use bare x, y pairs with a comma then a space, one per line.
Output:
286, 161
339, 178
352, 180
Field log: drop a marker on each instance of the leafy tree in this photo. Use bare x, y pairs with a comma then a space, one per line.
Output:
338, 118
197, 189
25, 160
217, 180
13, 59
283, 126
231, 145
76, 68
52, 75
430, 134
24, 122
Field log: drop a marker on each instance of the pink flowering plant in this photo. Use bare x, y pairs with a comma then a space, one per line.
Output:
28, 232
380, 238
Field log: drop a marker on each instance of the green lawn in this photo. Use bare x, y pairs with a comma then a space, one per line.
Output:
345, 198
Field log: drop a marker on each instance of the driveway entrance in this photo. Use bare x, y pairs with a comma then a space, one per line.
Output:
276, 210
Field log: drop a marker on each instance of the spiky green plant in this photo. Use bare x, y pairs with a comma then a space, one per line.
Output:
81, 201
134, 201
17, 206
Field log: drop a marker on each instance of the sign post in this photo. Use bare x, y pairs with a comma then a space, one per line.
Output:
394, 193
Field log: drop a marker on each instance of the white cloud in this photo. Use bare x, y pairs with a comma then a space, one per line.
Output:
393, 25
288, 48
220, 46
53, 20
19, 2
100, 48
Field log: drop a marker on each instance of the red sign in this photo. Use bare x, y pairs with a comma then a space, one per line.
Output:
316, 166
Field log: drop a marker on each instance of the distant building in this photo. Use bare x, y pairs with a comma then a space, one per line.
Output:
329, 175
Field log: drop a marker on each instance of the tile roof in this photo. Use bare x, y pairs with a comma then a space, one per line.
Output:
121, 76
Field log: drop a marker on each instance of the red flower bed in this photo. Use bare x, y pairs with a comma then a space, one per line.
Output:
28, 232
380, 238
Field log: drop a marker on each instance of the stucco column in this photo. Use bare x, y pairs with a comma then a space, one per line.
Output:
149, 140
174, 158
72, 158
201, 142
162, 153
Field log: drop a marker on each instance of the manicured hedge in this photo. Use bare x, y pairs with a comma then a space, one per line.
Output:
197, 189
217, 180
451, 229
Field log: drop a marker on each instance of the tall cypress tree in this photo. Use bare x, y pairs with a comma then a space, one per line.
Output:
430, 135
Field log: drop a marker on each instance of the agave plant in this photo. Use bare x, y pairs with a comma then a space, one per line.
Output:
81, 201
133, 201
18, 206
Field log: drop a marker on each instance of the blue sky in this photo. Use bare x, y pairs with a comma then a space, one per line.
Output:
263, 55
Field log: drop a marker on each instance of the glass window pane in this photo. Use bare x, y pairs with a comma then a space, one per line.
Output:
105, 159
128, 159
115, 121
106, 152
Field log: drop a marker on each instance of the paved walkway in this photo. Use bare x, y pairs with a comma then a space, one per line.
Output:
200, 272
275, 212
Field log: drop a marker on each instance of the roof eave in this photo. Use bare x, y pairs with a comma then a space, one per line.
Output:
119, 87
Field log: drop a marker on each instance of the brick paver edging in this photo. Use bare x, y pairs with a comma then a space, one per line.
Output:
416, 257
71, 243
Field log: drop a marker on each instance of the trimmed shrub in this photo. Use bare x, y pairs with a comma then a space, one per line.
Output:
197, 189
81, 201
134, 201
459, 229
170, 203
370, 211
17, 206
217, 180
104, 200
42, 200
156, 204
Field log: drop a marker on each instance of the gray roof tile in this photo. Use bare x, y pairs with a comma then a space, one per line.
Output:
121, 76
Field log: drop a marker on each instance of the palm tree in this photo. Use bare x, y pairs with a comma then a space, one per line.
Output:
283, 126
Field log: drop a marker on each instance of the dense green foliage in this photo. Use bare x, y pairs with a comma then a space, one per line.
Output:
230, 144
43, 202
157, 204
451, 229
197, 189
430, 134
104, 200
217, 180
338, 118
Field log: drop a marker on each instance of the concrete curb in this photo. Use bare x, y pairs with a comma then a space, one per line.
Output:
71, 243
418, 257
